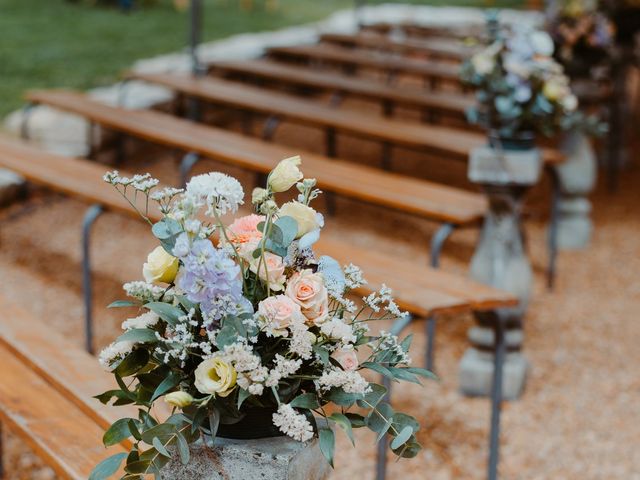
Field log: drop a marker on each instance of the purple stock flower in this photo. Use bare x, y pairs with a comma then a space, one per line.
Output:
208, 274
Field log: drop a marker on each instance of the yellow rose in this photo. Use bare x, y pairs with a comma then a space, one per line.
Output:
178, 399
285, 175
160, 267
555, 90
306, 216
215, 376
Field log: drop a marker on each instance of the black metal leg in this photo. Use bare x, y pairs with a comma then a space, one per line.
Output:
381, 460
187, 163
270, 126
24, 123
331, 142
91, 150
121, 149
89, 218
430, 331
553, 230
437, 242
496, 397
387, 156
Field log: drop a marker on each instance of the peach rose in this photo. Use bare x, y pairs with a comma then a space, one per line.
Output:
278, 313
245, 229
307, 290
270, 270
347, 358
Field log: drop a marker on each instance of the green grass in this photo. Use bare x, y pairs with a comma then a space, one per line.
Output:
57, 43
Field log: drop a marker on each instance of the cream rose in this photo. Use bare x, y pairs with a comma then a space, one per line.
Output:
555, 89
215, 377
270, 270
278, 313
307, 289
305, 216
160, 266
347, 358
483, 63
285, 175
178, 399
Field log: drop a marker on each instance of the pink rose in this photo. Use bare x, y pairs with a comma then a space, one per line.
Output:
307, 290
347, 358
270, 269
278, 313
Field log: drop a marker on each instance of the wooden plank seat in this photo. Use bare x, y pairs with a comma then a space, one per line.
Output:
434, 102
435, 48
42, 408
452, 142
389, 64
425, 31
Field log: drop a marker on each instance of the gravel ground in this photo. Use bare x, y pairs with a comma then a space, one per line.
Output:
578, 418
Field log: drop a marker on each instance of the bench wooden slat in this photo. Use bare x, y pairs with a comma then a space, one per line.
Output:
411, 289
362, 87
444, 140
419, 197
431, 47
67, 368
52, 425
367, 59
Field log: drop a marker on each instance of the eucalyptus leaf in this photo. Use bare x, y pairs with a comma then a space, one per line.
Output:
168, 313
170, 381
138, 335
123, 303
157, 444
305, 400
402, 437
343, 422
327, 443
107, 467
132, 363
183, 448
117, 432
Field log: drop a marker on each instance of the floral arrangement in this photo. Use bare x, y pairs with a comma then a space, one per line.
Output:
521, 89
243, 321
583, 34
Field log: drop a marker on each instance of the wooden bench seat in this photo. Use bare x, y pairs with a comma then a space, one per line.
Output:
426, 199
437, 48
388, 95
423, 297
45, 418
384, 62
447, 141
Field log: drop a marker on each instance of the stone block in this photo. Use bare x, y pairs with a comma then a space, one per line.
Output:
279, 458
476, 374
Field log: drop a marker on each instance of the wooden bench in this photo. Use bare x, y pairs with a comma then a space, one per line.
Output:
451, 142
424, 31
391, 65
420, 290
45, 395
434, 48
433, 102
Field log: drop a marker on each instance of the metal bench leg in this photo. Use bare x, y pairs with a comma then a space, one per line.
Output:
89, 219
496, 397
270, 126
387, 157
552, 240
24, 123
437, 242
186, 165
331, 142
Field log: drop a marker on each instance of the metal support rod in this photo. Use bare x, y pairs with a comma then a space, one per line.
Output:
387, 155
331, 142
186, 165
381, 460
496, 397
437, 242
552, 240
24, 123
195, 35
89, 219
91, 148
270, 126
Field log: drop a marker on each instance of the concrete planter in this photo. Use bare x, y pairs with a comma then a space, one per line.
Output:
277, 458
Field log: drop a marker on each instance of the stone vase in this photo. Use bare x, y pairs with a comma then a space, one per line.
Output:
500, 260
275, 458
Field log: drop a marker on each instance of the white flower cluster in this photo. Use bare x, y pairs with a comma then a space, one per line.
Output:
143, 183
292, 423
145, 320
220, 193
283, 368
349, 381
251, 373
338, 330
353, 276
113, 353
302, 341
389, 342
147, 292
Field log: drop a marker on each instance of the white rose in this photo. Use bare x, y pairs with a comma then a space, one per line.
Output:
542, 43
569, 103
160, 266
483, 63
285, 175
305, 216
